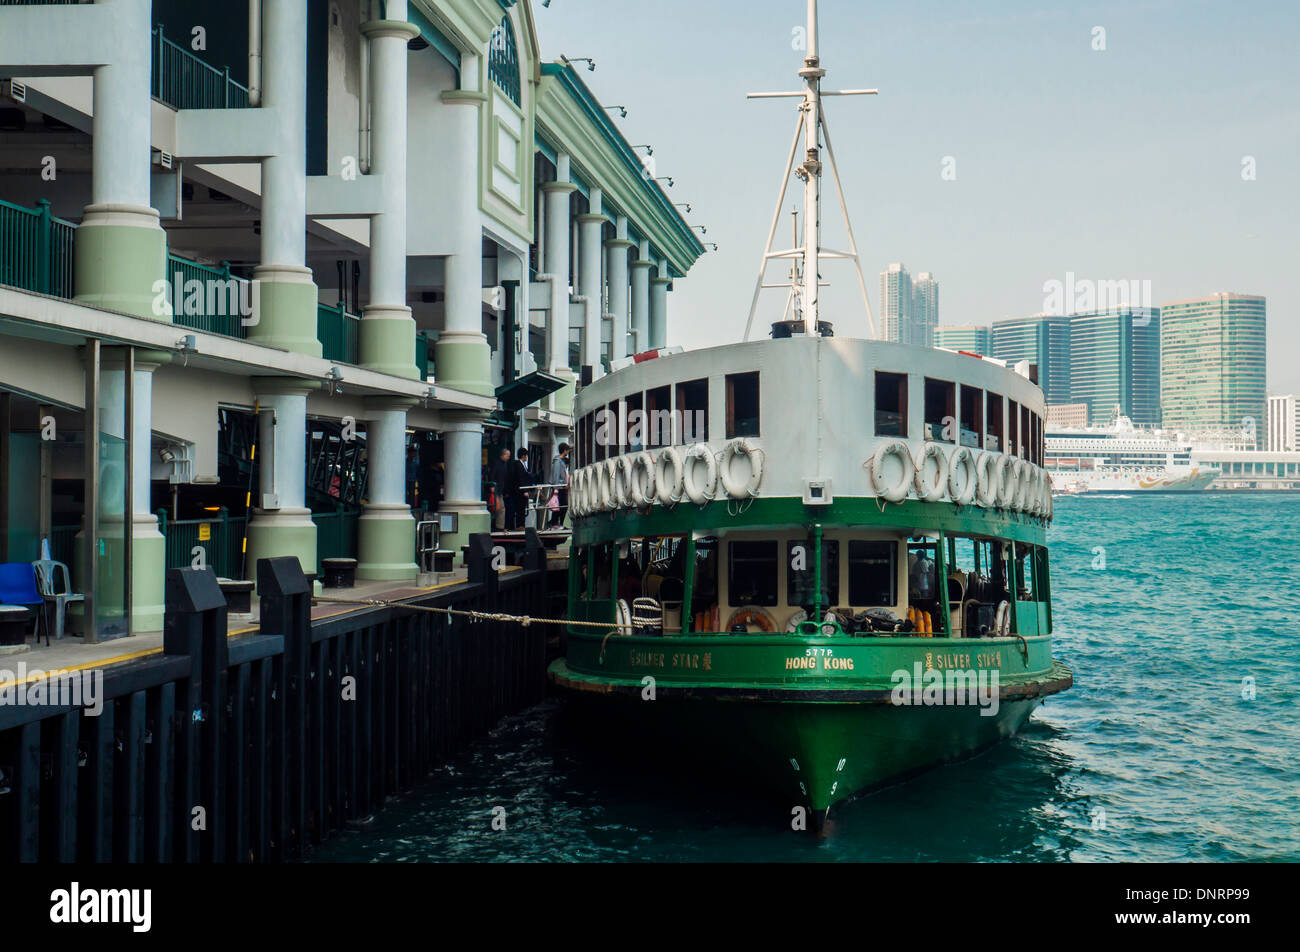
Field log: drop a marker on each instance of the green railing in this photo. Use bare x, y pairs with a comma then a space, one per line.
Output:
183, 81
208, 299
336, 534
422, 354
222, 542
36, 249
339, 333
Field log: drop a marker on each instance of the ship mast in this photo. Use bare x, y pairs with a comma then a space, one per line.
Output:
811, 127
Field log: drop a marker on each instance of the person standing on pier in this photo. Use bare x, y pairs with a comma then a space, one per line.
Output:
560, 478
499, 477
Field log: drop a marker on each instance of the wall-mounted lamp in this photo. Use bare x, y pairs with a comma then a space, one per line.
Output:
649, 149
666, 178
703, 230
187, 347
622, 111
711, 244
591, 63
334, 381
685, 205
428, 399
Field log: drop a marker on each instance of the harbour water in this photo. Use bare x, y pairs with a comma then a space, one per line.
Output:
1178, 742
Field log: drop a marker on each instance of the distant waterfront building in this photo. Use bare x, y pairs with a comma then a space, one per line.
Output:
1212, 352
1283, 425
972, 338
909, 310
1043, 340
1115, 362
1067, 415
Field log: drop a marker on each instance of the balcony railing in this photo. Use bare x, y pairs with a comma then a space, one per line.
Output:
422, 354
208, 299
339, 333
183, 81
36, 249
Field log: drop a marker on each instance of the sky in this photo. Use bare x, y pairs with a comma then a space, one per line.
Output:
1170, 156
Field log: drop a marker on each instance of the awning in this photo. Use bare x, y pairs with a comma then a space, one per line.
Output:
527, 390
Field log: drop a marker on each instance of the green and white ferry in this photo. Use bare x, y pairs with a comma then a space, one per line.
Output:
821, 558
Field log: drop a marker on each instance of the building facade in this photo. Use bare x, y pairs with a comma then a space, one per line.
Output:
287, 262
1115, 364
909, 309
1283, 424
1044, 341
1212, 353
1072, 416
972, 338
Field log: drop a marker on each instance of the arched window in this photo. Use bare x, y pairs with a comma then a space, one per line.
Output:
503, 61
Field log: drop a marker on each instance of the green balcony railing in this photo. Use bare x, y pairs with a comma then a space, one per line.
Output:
336, 534
36, 249
422, 354
183, 81
208, 299
339, 333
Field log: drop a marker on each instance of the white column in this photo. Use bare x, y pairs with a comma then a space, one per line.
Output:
281, 524
463, 452
556, 263
659, 306
591, 283
387, 330
641, 297
619, 292
386, 530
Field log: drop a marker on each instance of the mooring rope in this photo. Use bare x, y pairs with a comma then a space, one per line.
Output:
523, 620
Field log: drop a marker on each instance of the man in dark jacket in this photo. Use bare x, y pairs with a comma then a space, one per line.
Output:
517, 498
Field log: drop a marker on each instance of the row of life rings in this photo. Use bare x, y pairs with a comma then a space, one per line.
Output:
966, 476
667, 477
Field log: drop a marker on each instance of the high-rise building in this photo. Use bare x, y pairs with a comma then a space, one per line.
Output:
1115, 363
925, 309
909, 310
1212, 351
1044, 341
1069, 415
1283, 424
972, 338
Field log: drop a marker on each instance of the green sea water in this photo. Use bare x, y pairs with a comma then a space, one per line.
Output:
1179, 741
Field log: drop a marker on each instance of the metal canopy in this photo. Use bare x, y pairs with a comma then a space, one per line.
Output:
527, 390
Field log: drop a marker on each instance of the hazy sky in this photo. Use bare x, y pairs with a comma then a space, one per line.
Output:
1120, 164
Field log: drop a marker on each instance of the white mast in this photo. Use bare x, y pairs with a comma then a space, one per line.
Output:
812, 126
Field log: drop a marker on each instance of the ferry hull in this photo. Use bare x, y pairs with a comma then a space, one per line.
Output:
811, 748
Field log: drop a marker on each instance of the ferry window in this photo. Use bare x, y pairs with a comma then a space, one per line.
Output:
635, 423
602, 572
799, 588
993, 418
692, 416
742, 405
615, 433
1033, 443
602, 429
1025, 574
891, 404
751, 573
972, 416
940, 413
1024, 432
873, 571
658, 417
1013, 427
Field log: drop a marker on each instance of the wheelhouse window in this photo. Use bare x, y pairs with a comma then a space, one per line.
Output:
742, 405
873, 573
800, 588
752, 573
658, 418
972, 416
993, 420
692, 412
940, 410
891, 404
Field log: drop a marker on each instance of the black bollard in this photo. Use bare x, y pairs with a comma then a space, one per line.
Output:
478, 559
534, 551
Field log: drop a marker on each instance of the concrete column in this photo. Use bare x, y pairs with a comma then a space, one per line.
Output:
462, 357
284, 313
641, 297
619, 291
591, 284
387, 333
386, 534
463, 437
282, 476
556, 265
121, 249
659, 306
148, 555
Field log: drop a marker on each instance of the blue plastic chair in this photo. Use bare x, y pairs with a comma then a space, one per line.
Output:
18, 587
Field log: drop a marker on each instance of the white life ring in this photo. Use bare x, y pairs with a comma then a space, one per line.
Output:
1024, 476
735, 488
670, 471
986, 470
613, 498
963, 480
641, 484
625, 477
600, 478
576, 499
699, 490
1006, 481
931, 489
1002, 620
892, 487
623, 617
1051, 505
1040, 489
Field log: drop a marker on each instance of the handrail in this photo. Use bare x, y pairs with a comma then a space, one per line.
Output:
184, 81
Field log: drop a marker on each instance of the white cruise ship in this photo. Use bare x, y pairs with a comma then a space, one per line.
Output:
1123, 459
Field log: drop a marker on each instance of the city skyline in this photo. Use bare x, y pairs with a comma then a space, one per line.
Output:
1042, 186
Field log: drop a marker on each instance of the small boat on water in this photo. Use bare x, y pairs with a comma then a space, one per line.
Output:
1120, 458
819, 559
